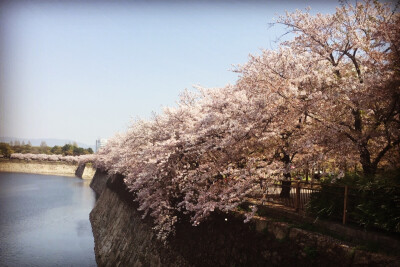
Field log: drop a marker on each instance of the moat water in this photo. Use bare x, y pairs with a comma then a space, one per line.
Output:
44, 221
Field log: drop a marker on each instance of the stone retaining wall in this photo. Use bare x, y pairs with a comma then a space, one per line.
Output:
85, 171
88, 172
47, 168
98, 183
122, 238
38, 167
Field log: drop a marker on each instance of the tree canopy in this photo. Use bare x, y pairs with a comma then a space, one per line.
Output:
330, 96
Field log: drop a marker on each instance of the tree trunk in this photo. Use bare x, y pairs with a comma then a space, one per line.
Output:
307, 171
369, 169
285, 191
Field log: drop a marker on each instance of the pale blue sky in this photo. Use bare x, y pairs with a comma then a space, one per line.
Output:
81, 71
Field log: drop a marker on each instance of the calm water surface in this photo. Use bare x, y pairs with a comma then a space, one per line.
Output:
44, 221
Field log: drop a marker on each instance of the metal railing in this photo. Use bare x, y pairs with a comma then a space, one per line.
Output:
299, 193
370, 206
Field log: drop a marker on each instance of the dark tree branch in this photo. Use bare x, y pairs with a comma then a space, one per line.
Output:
384, 150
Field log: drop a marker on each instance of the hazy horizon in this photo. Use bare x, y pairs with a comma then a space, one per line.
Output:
84, 70
50, 142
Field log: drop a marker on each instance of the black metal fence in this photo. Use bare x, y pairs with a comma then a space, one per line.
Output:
376, 207
301, 193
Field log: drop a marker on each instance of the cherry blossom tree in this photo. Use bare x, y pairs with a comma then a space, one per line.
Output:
340, 73
83, 159
357, 49
329, 95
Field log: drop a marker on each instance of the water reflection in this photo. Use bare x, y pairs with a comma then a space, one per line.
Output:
44, 221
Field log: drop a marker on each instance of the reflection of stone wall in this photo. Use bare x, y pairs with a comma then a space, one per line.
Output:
37, 167
123, 237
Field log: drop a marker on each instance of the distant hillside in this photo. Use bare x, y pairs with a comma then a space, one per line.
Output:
49, 141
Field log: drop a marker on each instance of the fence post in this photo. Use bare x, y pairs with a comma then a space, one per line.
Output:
297, 202
345, 204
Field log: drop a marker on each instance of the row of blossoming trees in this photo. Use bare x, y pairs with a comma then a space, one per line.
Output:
328, 96
81, 159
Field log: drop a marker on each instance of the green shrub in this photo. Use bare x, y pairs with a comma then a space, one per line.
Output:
378, 206
311, 252
372, 203
5, 150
